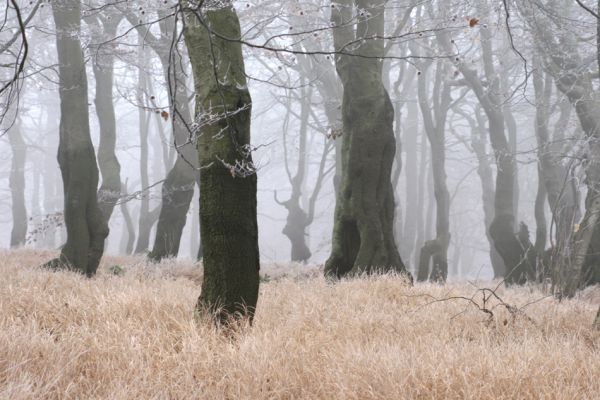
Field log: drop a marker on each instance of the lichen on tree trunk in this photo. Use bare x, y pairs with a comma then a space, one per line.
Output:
86, 227
363, 233
228, 219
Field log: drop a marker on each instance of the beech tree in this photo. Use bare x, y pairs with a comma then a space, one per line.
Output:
86, 227
363, 233
228, 222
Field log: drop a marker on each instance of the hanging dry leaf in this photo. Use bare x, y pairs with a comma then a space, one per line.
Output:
473, 22
164, 115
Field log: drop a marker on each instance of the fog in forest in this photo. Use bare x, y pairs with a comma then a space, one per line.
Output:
456, 140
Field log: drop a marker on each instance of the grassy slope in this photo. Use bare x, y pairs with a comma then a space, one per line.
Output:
62, 336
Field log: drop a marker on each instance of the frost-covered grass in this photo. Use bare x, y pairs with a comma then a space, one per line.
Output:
133, 336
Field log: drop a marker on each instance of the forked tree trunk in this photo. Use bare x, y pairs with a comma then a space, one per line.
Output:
363, 233
228, 220
86, 227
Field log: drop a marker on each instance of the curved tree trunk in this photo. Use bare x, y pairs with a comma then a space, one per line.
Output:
228, 220
128, 238
86, 227
363, 233
178, 187
103, 67
17, 185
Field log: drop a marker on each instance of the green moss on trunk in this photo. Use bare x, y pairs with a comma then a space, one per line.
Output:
363, 237
228, 222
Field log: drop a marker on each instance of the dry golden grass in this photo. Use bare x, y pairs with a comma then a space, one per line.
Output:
134, 337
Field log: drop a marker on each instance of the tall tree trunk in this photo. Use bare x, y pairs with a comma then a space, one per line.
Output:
435, 124
17, 185
103, 67
228, 220
411, 135
363, 233
86, 227
145, 221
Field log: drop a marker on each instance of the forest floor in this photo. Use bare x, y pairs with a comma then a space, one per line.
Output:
133, 336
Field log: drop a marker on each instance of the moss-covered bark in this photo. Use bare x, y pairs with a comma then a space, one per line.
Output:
363, 233
86, 227
228, 222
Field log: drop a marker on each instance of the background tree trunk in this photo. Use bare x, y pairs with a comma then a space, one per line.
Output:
103, 30
17, 184
86, 227
228, 220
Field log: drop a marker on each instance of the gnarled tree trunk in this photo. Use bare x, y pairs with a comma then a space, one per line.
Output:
363, 233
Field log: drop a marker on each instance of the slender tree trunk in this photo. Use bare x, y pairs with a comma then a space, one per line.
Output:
145, 221
103, 67
128, 239
228, 221
363, 233
17, 185
178, 187
411, 135
86, 227
502, 229
434, 124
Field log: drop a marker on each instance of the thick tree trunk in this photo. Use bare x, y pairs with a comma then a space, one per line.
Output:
86, 228
17, 185
228, 220
363, 233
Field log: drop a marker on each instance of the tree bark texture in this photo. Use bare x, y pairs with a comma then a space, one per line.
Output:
86, 227
363, 233
228, 219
